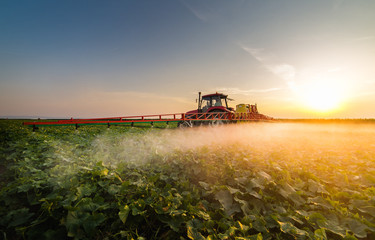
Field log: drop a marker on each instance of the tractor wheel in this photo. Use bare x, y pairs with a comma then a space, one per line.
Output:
185, 124
215, 123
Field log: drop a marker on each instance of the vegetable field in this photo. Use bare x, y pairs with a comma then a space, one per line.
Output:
246, 181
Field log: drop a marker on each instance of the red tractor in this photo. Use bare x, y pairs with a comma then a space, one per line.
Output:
216, 102
212, 110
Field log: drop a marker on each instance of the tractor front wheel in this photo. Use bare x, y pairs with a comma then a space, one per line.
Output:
185, 124
215, 123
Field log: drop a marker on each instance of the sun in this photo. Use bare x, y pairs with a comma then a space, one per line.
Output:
322, 96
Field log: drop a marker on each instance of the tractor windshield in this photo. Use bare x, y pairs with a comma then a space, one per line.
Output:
206, 104
216, 101
213, 101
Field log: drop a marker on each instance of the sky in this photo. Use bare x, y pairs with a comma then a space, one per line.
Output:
95, 58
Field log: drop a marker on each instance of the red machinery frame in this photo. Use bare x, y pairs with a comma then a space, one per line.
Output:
209, 117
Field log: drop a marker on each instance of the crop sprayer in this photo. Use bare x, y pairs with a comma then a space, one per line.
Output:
212, 109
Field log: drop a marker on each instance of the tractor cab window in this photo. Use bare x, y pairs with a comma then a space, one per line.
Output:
206, 104
217, 101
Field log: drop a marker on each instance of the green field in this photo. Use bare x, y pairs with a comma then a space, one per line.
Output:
280, 180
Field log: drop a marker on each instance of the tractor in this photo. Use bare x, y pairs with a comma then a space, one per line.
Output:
216, 102
212, 110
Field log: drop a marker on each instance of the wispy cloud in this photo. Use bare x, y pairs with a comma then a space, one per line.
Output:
337, 4
364, 38
257, 53
282, 70
197, 13
285, 71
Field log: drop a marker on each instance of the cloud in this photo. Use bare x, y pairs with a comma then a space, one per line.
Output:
212, 10
282, 70
337, 4
257, 53
198, 14
285, 71
364, 38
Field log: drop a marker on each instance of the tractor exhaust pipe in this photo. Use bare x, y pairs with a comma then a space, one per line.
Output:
199, 102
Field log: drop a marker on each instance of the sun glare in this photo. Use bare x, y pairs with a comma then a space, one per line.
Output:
322, 96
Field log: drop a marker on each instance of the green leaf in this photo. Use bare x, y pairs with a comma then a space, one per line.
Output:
233, 190
264, 175
296, 219
73, 222
349, 237
370, 210
85, 190
316, 187
254, 183
255, 194
256, 237
193, 227
260, 225
271, 221
358, 228
88, 205
303, 213
289, 228
113, 189
320, 201
251, 237
320, 234
244, 205
226, 200
104, 172
203, 215
241, 227
18, 217
330, 222
173, 222
205, 186
123, 214
286, 190
289, 193
92, 221
138, 207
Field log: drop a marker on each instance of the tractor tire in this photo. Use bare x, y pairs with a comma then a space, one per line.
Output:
214, 123
185, 124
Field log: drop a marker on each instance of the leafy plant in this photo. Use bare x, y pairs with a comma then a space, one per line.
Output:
122, 183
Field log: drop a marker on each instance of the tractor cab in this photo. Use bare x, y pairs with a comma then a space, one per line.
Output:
213, 103
216, 102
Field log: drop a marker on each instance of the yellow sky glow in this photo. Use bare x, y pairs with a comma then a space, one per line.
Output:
324, 93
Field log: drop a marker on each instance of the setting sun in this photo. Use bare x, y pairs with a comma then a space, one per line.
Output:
322, 97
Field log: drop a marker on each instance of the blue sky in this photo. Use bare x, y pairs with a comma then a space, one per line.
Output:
117, 58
